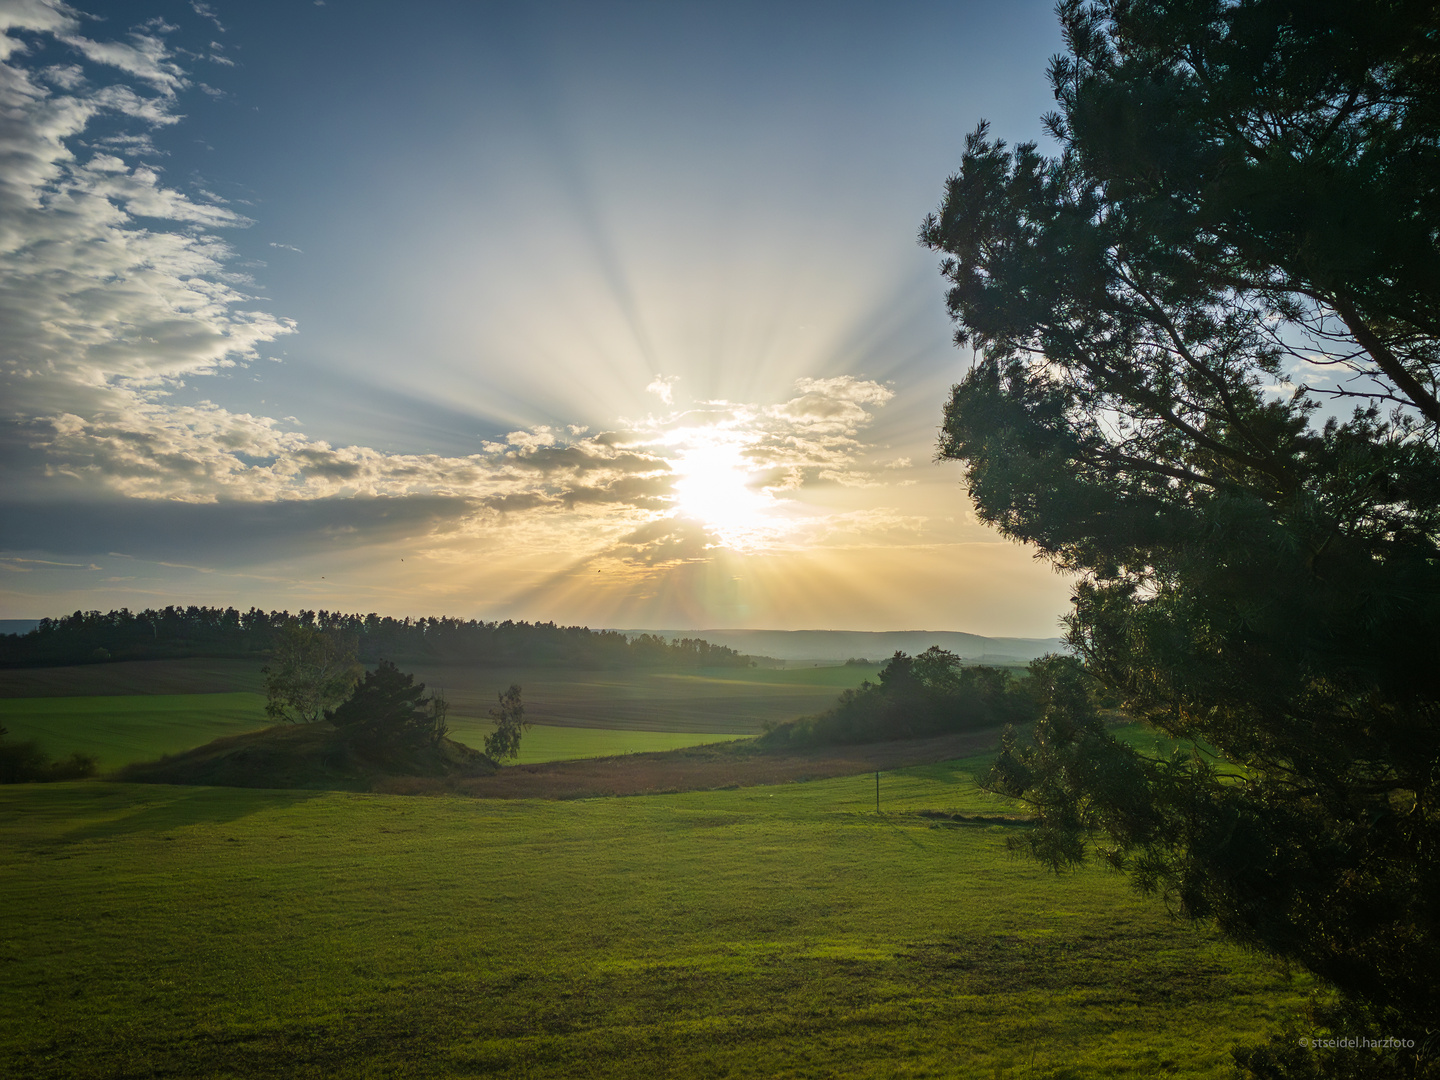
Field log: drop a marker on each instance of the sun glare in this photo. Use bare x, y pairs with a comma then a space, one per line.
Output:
714, 488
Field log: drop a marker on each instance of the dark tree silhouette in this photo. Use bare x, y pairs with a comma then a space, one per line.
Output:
1246, 203
389, 711
929, 694
96, 636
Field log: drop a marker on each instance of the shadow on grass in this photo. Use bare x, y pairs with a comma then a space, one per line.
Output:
902, 833
955, 771
159, 808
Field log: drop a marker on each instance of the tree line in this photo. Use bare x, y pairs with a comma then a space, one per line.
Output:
175, 632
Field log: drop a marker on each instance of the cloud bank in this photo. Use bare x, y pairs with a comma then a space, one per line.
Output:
118, 286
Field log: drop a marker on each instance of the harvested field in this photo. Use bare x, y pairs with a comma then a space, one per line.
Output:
193, 676
704, 768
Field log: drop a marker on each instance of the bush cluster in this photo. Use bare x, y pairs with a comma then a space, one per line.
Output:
26, 763
917, 696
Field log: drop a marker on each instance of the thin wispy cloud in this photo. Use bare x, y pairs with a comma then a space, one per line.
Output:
207, 11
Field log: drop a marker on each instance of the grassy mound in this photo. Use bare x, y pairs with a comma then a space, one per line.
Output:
312, 756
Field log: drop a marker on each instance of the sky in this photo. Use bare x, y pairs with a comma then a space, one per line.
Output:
608, 314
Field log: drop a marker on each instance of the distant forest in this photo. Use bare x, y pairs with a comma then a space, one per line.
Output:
174, 632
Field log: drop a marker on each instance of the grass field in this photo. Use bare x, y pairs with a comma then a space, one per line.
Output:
786, 930
564, 744
128, 728
781, 931
124, 728
738, 701
53, 705
132, 727
206, 676
609, 712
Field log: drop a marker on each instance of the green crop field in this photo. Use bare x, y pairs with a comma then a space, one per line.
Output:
735, 700
543, 743
123, 729
608, 712
131, 727
781, 931
105, 713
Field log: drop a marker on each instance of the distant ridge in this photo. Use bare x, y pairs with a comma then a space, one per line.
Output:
836, 646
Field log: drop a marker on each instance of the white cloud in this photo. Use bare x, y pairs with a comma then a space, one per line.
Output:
836, 404
207, 11
530, 440
664, 388
116, 286
144, 57
40, 16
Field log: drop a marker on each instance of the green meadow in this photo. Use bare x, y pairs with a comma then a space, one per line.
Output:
735, 700
575, 713
770, 931
122, 729
132, 727
789, 931
566, 743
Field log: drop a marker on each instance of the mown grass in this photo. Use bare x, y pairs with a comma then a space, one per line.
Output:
783, 931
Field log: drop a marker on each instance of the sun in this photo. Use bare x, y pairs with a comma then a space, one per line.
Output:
714, 486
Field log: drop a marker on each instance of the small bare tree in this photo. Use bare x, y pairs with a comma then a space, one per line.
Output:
503, 744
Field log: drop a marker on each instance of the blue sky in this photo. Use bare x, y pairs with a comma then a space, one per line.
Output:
602, 313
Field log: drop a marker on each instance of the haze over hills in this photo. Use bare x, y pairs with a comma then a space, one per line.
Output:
823, 647
836, 646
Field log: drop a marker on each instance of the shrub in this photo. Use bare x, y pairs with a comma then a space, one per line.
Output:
917, 696
26, 763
